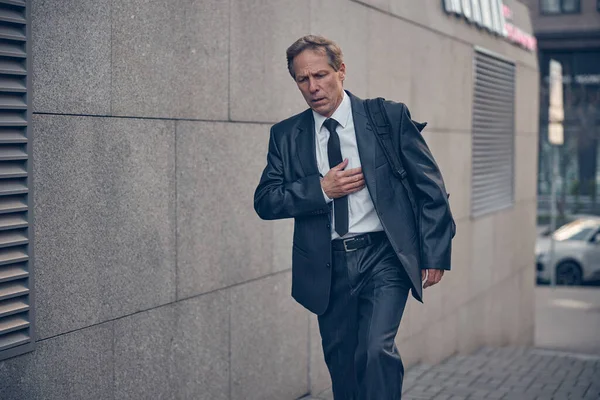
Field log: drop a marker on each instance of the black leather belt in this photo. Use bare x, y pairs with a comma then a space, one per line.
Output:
357, 242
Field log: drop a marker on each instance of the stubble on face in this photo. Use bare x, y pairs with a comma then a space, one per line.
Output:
320, 85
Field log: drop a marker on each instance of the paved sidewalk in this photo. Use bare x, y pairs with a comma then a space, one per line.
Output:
511, 373
568, 318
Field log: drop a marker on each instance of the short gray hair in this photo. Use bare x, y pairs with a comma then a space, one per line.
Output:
316, 43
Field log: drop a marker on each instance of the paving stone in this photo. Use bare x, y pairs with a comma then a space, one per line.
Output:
511, 373
505, 373
496, 394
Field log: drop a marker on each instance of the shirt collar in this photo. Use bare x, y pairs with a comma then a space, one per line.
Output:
341, 114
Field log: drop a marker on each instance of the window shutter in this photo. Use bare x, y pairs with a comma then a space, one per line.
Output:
493, 134
16, 315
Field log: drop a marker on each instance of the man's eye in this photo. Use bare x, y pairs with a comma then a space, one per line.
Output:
301, 80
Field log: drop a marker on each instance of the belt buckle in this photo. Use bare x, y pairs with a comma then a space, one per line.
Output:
345, 241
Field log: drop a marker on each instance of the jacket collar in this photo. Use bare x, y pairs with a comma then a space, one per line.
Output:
341, 114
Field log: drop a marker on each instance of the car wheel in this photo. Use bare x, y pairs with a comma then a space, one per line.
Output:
568, 273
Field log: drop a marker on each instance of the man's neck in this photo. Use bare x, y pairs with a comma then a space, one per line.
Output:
341, 99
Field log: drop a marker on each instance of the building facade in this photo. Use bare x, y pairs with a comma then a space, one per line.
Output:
143, 271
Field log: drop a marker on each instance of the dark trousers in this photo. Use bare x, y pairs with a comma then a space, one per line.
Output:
368, 294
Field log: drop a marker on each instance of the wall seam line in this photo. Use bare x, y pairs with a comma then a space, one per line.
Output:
229, 299
229, 64
110, 93
168, 304
155, 118
176, 213
114, 362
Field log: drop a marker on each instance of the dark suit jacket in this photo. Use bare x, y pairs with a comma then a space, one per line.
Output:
290, 187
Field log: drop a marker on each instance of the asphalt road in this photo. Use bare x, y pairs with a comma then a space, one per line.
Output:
568, 319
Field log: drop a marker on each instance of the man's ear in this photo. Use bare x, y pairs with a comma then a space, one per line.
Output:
342, 71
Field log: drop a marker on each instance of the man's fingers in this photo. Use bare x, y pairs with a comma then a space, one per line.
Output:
427, 283
349, 187
434, 277
352, 171
352, 179
341, 165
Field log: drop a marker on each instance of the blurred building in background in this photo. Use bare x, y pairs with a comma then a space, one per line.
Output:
132, 136
568, 31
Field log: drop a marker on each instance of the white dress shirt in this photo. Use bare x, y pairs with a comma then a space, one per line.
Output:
362, 217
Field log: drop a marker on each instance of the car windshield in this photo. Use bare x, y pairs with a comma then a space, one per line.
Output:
576, 230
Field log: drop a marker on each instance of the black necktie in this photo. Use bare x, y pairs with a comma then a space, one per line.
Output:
334, 153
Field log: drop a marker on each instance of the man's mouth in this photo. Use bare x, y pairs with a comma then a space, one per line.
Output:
318, 100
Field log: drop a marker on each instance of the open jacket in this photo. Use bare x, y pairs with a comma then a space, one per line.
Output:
290, 187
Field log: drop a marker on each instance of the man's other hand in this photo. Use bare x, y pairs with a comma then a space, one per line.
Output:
433, 276
338, 183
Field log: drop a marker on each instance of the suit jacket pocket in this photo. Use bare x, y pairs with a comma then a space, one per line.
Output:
299, 251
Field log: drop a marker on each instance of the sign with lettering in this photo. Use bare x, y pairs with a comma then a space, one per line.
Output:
515, 34
556, 113
492, 15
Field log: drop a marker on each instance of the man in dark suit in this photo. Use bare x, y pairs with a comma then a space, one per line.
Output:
360, 243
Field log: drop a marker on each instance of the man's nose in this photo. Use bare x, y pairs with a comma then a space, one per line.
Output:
312, 85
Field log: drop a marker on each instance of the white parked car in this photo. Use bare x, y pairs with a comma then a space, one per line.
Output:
576, 253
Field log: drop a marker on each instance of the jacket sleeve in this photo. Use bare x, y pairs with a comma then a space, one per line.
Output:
436, 224
276, 198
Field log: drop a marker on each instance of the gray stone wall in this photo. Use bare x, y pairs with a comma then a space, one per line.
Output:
154, 279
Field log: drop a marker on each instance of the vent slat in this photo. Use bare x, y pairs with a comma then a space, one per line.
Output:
13, 119
12, 221
13, 238
13, 187
20, 3
13, 323
12, 289
9, 101
12, 67
12, 32
12, 16
491, 181
10, 136
13, 272
492, 167
12, 49
13, 256
12, 86
11, 307
11, 153
14, 339
12, 171
12, 204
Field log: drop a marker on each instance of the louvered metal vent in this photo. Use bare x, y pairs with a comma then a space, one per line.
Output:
493, 134
15, 265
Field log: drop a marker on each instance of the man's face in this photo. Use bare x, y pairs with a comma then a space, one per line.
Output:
319, 83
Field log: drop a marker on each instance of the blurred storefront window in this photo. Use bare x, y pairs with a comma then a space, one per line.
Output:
579, 182
560, 6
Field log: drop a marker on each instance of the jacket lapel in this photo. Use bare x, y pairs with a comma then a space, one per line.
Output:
305, 144
365, 142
